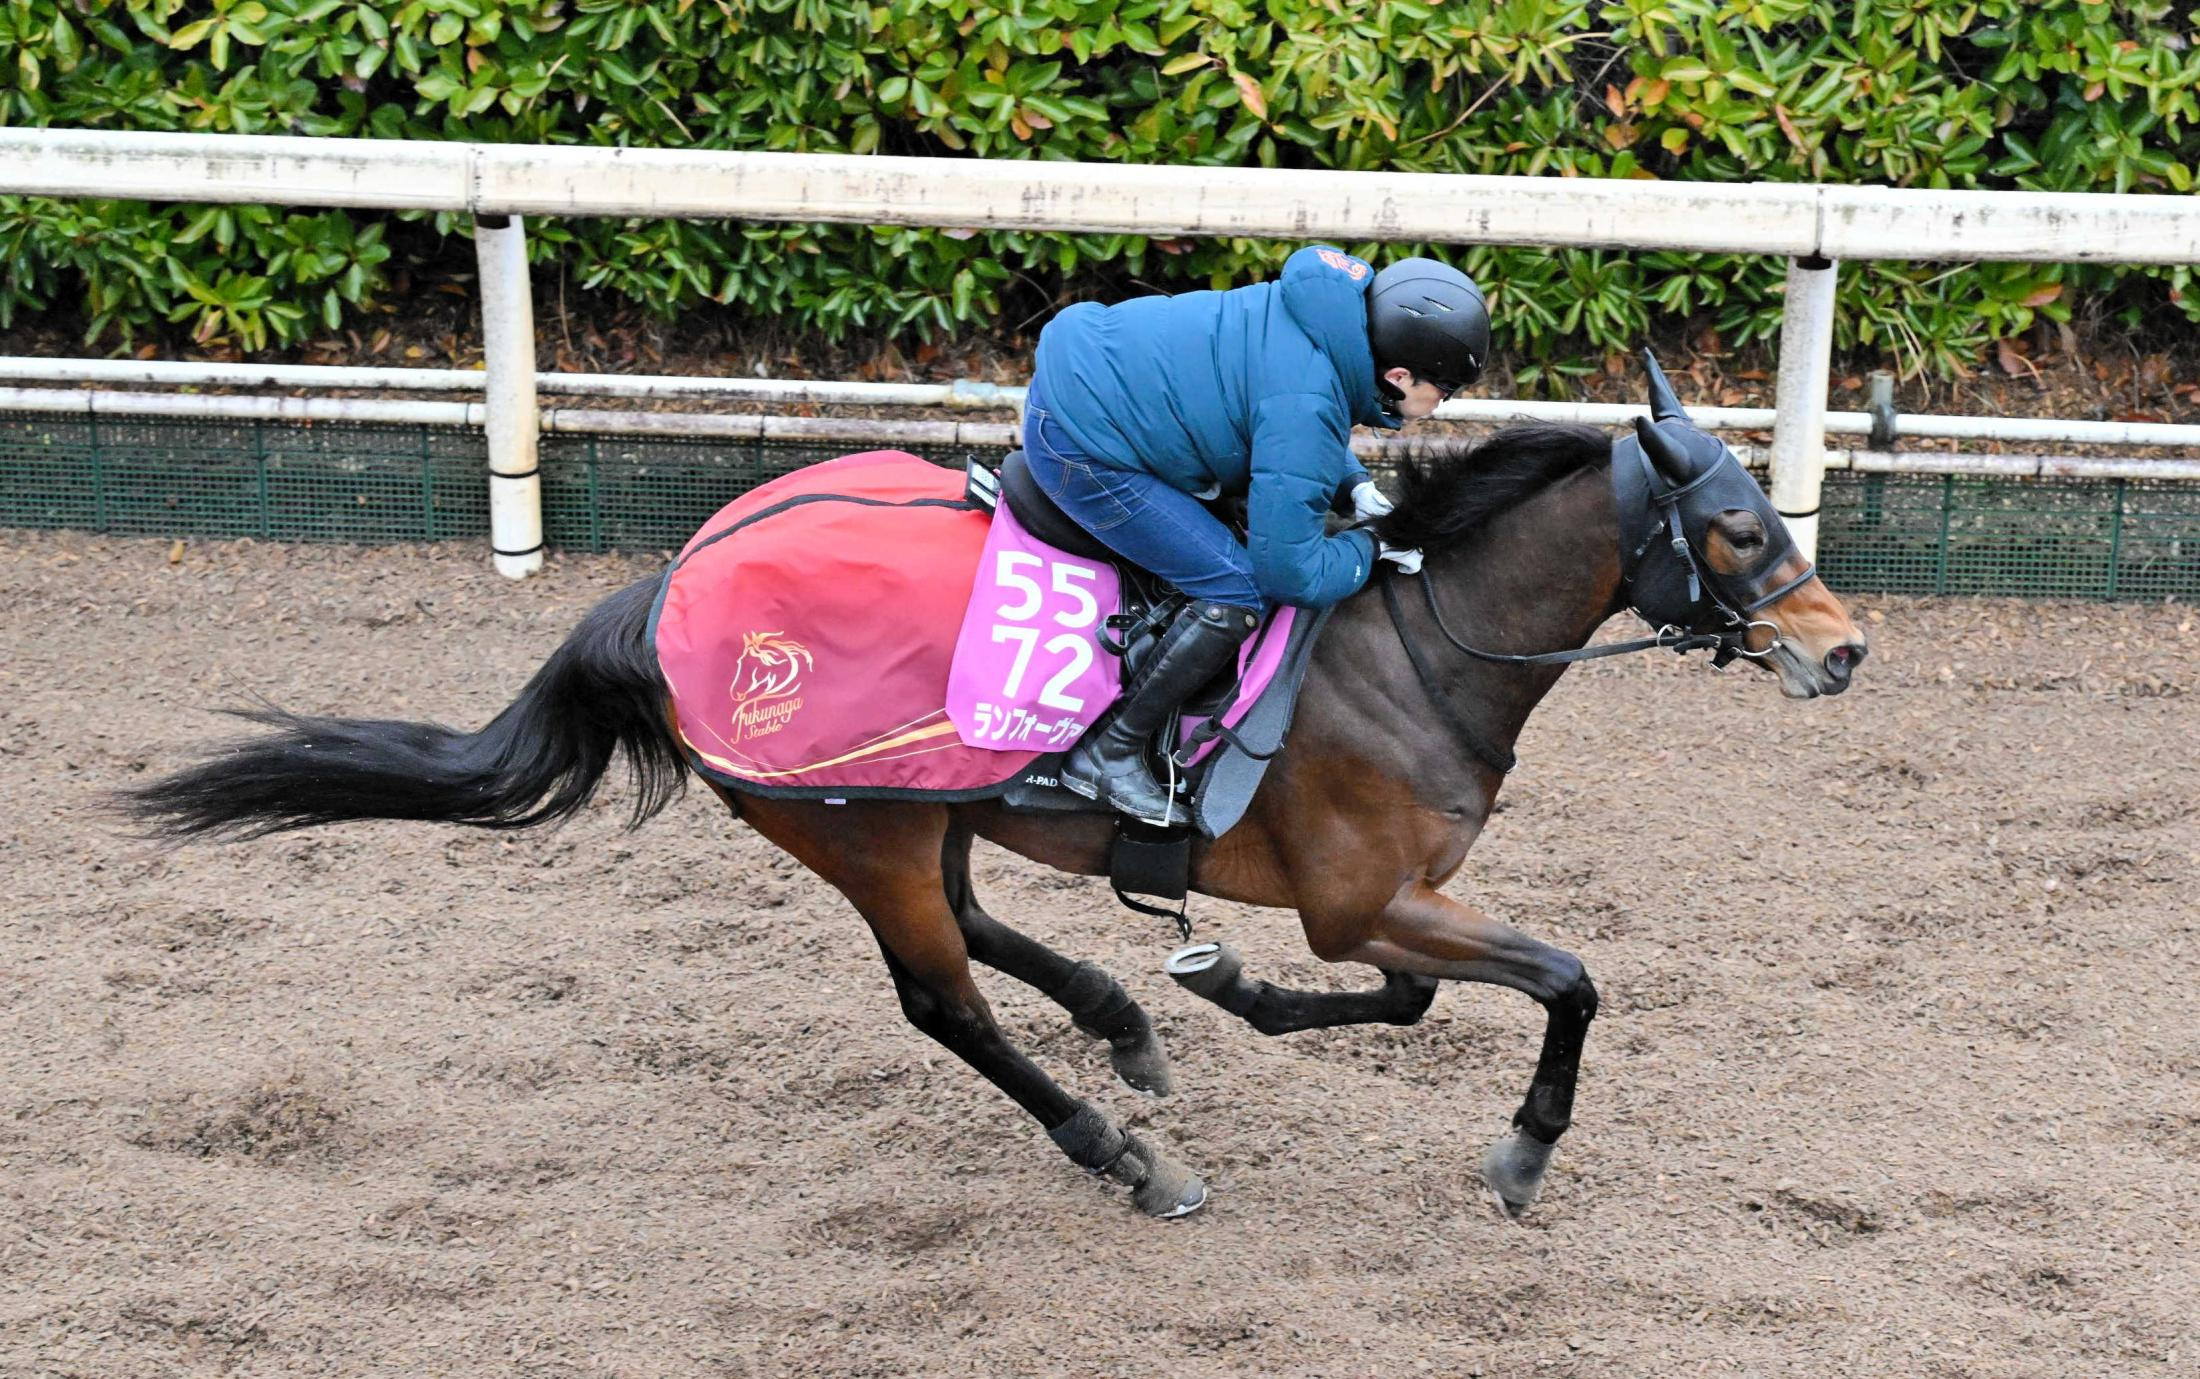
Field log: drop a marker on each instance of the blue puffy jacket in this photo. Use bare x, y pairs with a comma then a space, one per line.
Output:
1254, 391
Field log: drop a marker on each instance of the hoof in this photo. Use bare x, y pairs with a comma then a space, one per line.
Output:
1199, 966
1190, 1196
1513, 1170
1170, 1190
1143, 1066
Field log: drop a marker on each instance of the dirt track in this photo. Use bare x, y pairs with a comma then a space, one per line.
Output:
1895, 1075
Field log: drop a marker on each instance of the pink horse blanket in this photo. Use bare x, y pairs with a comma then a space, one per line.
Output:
806, 633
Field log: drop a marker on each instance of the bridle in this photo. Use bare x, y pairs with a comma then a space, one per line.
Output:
1714, 605
1669, 584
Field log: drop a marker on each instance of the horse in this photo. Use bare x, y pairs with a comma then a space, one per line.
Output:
1401, 741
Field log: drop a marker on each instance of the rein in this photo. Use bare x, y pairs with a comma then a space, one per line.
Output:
1499, 759
1667, 636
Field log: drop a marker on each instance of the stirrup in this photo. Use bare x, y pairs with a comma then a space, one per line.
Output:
1179, 815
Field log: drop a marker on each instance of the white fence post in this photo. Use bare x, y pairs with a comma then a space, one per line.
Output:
511, 419
1799, 429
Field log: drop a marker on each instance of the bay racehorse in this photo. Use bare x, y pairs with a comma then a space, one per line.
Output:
1402, 738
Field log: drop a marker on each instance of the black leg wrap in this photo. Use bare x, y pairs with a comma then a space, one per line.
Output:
1092, 1141
1098, 1005
1548, 1110
1414, 995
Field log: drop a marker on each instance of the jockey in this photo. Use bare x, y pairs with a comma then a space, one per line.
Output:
1138, 412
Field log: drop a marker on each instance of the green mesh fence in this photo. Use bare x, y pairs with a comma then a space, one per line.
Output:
1909, 534
2040, 538
340, 482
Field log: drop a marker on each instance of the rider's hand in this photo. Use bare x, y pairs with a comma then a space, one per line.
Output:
1408, 561
1368, 501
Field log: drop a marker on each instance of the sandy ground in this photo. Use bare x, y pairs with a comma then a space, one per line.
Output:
1895, 1074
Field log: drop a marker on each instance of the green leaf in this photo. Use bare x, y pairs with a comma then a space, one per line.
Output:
191, 35
197, 227
66, 45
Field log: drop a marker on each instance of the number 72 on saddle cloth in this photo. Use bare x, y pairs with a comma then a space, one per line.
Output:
1029, 672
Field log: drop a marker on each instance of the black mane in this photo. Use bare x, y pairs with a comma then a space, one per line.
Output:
1439, 502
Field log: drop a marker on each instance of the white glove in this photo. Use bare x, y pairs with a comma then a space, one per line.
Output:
1406, 560
1368, 501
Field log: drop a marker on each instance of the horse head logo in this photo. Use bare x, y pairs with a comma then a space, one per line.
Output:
770, 667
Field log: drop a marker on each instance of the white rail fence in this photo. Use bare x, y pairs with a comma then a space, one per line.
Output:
1814, 226
718, 425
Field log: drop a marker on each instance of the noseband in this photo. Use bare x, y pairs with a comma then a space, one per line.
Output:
1669, 584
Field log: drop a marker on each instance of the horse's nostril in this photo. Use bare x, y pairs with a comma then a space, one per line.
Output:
1841, 662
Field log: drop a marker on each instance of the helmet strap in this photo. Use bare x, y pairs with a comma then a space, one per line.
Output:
1390, 393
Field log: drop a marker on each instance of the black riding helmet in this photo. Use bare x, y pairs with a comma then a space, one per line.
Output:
1428, 318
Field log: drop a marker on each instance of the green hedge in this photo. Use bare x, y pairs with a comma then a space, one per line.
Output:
2062, 95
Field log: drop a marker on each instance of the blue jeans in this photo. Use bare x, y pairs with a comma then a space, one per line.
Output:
1145, 520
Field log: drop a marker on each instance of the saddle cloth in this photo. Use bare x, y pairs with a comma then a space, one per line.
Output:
860, 629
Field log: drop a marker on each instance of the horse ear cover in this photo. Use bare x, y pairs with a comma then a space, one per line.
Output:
1670, 459
1665, 405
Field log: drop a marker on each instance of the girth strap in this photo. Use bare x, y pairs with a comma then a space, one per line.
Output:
1152, 861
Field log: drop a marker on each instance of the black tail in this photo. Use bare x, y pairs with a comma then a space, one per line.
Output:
537, 761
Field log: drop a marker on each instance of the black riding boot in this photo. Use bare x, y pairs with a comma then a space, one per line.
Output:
1110, 765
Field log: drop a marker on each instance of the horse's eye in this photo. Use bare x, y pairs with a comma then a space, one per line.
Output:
1749, 541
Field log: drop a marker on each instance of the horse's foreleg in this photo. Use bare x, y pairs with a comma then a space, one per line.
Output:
1097, 1004
1427, 932
886, 859
1214, 971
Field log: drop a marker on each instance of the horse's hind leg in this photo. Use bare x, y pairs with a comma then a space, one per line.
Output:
1214, 971
1096, 1002
886, 859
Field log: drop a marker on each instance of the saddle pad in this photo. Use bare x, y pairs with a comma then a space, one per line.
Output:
1029, 670
806, 633
1258, 661
1234, 773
